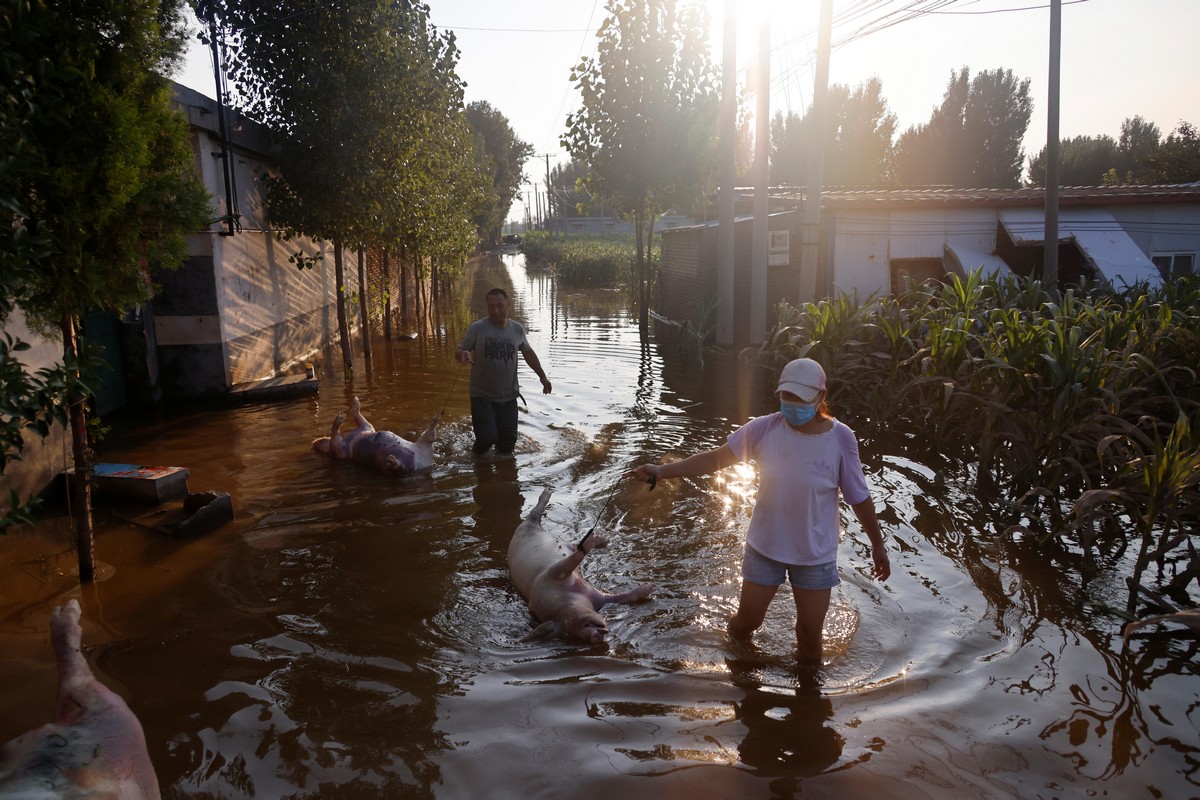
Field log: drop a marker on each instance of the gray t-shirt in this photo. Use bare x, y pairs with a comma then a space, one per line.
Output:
494, 350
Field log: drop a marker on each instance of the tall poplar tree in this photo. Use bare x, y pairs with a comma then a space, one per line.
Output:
366, 107
503, 155
648, 123
973, 139
100, 175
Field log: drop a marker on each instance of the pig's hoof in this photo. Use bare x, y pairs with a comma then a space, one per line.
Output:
355, 405
340, 418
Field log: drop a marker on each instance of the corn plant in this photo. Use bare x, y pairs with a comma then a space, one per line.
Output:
1088, 394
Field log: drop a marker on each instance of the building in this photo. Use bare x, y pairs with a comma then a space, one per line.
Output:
239, 310
871, 240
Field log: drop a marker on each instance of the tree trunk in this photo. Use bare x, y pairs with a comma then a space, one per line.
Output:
81, 487
387, 298
643, 311
404, 259
365, 324
339, 277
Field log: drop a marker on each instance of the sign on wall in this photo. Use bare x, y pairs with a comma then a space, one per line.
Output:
778, 253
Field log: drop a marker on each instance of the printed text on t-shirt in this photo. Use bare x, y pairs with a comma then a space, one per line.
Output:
499, 350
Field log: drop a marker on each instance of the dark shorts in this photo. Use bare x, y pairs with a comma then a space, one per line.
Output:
495, 423
757, 568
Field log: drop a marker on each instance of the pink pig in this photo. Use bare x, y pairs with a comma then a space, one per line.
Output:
380, 450
545, 571
94, 747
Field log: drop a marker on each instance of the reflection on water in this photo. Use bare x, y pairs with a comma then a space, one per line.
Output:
352, 635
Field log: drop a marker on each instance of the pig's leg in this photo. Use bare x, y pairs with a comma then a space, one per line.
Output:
562, 569
116, 752
337, 445
430, 434
359, 419
600, 599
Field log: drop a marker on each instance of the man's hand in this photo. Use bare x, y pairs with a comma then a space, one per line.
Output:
545, 385
464, 356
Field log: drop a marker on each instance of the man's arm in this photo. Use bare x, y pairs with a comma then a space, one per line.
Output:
532, 360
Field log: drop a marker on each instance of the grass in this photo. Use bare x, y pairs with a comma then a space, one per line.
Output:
605, 260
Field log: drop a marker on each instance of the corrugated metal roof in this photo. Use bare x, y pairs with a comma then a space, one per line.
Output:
835, 197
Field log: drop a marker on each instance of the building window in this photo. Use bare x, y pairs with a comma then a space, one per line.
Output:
1174, 265
610, 226
577, 227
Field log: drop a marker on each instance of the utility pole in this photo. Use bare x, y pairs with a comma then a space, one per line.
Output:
549, 205
810, 232
1050, 251
762, 186
726, 235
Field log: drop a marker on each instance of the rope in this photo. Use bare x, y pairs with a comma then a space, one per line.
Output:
653, 483
453, 383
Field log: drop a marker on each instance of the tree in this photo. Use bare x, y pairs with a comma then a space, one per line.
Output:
366, 108
502, 156
973, 139
29, 402
1083, 161
1139, 143
647, 125
103, 179
1177, 159
858, 151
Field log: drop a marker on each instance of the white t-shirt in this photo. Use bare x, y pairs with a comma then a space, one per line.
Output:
795, 518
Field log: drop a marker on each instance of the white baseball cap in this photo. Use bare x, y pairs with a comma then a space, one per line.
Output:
802, 377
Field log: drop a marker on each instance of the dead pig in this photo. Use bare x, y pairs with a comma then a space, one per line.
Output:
546, 573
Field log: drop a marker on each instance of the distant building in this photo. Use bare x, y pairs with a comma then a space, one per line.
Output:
601, 225
872, 239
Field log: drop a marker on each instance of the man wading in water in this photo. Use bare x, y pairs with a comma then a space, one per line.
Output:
490, 346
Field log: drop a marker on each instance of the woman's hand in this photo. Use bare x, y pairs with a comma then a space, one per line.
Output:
646, 473
883, 566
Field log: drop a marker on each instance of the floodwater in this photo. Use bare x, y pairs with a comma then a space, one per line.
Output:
350, 635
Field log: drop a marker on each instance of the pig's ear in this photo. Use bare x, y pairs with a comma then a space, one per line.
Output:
547, 630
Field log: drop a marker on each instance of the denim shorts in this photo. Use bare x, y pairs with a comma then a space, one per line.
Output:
757, 568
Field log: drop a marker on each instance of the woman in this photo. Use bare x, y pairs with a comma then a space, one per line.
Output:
805, 456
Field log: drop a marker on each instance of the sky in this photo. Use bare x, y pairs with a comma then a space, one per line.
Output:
1120, 58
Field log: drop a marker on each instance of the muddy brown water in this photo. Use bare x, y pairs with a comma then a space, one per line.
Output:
350, 635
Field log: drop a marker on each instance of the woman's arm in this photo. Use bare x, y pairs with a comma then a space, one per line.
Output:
865, 511
698, 464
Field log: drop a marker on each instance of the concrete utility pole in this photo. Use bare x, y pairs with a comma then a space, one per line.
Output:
1050, 251
810, 232
726, 251
762, 187
549, 191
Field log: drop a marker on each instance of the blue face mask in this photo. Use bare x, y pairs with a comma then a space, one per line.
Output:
797, 414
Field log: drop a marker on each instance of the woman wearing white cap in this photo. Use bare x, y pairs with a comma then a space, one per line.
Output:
805, 456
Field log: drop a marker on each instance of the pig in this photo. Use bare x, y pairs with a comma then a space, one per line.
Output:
546, 573
93, 748
381, 450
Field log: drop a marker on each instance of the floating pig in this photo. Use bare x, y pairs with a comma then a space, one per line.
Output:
93, 748
546, 573
381, 450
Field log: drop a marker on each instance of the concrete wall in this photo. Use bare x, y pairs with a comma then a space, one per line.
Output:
1161, 229
687, 279
866, 242
41, 459
239, 310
